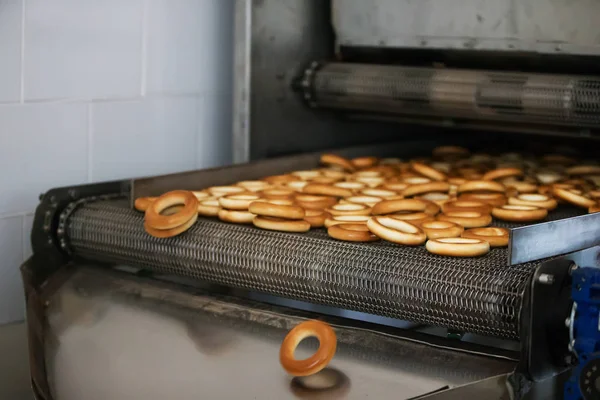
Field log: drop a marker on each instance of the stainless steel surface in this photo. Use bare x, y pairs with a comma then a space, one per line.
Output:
276, 40
241, 82
119, 337
534, 242
541, 26
478, 295
15, 383
506, 97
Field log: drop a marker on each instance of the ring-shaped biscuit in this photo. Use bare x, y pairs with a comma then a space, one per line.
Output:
237, 201
594, 194
315, 202
219, 191
201, 194
268, 209
142, 203
235, 217
319, 360
371, 181
415, 180
345, 219
281, 224
209, 207
496, 237
396, 231
516, 213
595, 208
279, 193
155, 220
584, 170
479, 185
364, 162
394, 206
428, 171
493, 199
297, 186
458, 247
441, 229
254, 186
349, 209
423, 188
364, 199
534, 199
351, 233
332, 159
573, 198
327, 190
464, 205
521, 187
502, 173
307, 175
279, 179
378, 192
397, 187
325, 180
467, 219
438, 198
316, 218
332, 173
350, 185
415, 218
167, 233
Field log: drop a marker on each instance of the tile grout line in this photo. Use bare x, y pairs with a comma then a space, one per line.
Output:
16, 214
22, 76
90, 137
144, 44
200, 106
23, 237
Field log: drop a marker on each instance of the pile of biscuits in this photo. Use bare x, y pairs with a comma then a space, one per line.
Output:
448, 201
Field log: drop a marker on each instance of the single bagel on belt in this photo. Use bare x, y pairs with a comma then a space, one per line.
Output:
458, 247
345, 219
396, 231
574, 198
467, 219
160, 225
327, 190
393, 206
316, 218
441, 229
337, 161
518, 213
142, 203
281, 224
534, 199
496, 237
351, 233
268, 209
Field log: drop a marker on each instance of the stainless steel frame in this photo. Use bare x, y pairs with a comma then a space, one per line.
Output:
541, 26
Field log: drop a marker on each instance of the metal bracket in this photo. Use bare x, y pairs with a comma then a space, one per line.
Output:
48, 254
544, 336
548, 239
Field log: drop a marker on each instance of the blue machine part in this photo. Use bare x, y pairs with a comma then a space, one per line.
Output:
584, 325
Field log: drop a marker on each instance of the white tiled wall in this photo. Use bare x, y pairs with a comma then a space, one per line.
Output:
96, 90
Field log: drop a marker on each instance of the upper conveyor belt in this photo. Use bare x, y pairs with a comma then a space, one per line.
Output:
515, 97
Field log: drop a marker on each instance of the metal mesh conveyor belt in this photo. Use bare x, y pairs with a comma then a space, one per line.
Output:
479, 295
488, 95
